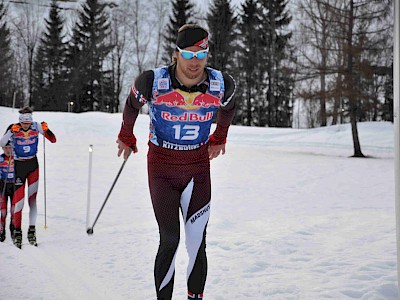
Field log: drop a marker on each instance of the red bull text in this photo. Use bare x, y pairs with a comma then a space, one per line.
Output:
190, 117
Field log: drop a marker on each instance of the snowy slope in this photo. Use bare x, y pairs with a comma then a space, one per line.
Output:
293, 217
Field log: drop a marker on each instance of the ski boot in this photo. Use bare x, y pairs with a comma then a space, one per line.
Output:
2, 234
17, 240
192, 296
32, 235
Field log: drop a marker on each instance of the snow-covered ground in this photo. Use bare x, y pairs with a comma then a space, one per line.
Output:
293, 217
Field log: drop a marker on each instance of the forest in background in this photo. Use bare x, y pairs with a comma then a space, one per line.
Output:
297, 63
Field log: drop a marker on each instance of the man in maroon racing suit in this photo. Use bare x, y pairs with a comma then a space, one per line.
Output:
183, 99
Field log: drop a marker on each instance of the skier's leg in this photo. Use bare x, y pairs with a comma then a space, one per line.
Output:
195, 203
165, 201
33, 184
21, 172
10, 196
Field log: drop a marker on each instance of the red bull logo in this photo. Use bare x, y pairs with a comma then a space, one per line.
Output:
26, 134
26, 142
173, 98
187, 100
32, 133
206, 100
191, 117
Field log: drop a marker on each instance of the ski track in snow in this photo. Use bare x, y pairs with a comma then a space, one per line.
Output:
292, 217
54, 272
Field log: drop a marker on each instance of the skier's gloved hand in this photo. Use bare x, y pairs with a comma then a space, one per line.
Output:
129, 141
216, 141
219, 136
15, 128
216, 146
45, 127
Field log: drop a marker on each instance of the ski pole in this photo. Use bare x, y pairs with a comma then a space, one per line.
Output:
44, 178
90, 229
89, 185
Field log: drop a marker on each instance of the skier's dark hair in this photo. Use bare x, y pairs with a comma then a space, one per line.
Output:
188, 35
26, 110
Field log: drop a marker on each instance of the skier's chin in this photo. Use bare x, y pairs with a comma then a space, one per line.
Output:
193, 73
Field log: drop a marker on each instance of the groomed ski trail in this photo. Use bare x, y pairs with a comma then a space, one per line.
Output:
55, 270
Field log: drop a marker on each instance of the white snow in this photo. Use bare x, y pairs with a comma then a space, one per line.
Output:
293, 217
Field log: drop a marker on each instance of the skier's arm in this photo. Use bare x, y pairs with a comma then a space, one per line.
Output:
225, 116
47, 133
226, 113
139, 94
6, 137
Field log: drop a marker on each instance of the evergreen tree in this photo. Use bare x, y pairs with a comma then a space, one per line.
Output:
75, 86
88, 79
221, 23
249, 68
5, 59
182, 13
49, 65
276, 44
266, 83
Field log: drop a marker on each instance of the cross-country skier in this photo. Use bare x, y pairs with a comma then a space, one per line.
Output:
6, 189
25, 138
183, 100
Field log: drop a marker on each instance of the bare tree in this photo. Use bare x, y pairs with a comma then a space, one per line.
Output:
346, 38
350, 88
137, 41
118, 36
161, 18
316, 23
363, 40
140, 32
28, 30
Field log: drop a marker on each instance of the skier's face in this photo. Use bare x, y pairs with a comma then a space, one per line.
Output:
192, 68
25, 125
7, 150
